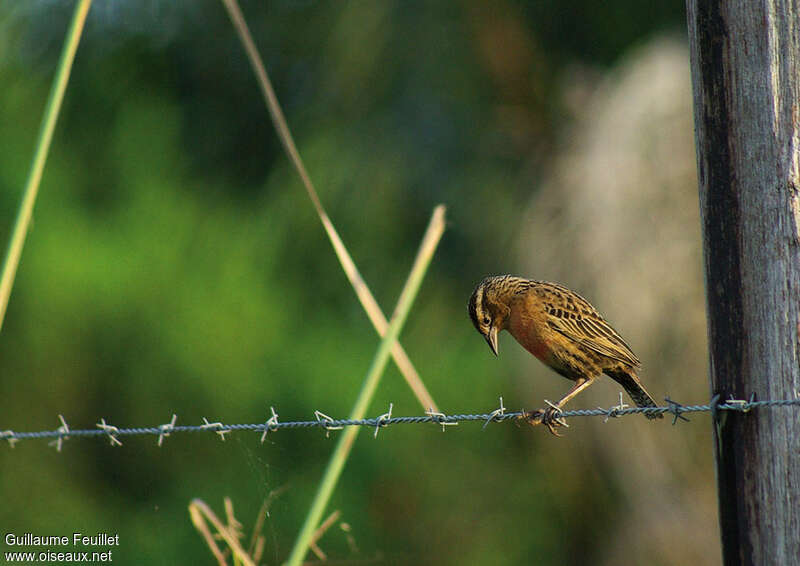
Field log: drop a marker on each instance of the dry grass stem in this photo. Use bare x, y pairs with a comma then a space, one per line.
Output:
200, 513
326, 524
360, 287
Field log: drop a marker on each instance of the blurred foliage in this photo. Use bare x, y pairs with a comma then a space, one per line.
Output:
176, 265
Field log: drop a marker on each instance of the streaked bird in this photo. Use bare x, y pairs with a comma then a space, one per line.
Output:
563, 330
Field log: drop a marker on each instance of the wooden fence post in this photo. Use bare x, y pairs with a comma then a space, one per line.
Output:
745, 59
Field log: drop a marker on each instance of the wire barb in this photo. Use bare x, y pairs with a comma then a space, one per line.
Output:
383, 420
111, 431
63, 434
9, 436
744, 405
676, 409
166, 429
217, 427
270, 425
327, 423
495, 415
440, 418
558, 414
613, 412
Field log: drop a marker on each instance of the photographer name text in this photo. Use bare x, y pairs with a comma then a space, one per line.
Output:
54, 551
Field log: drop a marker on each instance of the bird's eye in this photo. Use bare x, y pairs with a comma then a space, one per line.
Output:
486, 320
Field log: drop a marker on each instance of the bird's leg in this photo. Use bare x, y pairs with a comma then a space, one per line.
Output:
549, 416
580, 384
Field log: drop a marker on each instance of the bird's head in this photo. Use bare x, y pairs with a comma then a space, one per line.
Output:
488, 310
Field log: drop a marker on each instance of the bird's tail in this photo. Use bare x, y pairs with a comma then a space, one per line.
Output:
630, 382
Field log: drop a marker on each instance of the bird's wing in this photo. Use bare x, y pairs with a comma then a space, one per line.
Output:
597, 335
583, 324
575, 318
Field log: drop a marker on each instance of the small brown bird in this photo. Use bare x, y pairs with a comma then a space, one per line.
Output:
560, 328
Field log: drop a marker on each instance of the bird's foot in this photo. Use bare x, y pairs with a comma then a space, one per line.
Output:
550, 417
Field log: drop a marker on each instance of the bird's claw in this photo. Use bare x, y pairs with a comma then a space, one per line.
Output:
550, 417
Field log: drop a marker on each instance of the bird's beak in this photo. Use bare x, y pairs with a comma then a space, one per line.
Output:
491, 338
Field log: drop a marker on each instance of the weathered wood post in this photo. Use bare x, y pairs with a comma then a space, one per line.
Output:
745, 59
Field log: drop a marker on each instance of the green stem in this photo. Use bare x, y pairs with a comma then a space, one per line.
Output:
342, 450
40, 157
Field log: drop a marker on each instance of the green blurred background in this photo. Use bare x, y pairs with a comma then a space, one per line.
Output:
175, 265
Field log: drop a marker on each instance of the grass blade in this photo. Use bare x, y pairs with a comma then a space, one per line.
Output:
340, 454
361, 289
199, 512
46, 129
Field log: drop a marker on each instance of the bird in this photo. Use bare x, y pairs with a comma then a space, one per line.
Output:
563, 330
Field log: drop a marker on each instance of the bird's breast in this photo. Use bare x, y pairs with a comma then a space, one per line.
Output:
531, 335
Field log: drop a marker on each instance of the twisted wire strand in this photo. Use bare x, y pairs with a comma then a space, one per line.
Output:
328, 424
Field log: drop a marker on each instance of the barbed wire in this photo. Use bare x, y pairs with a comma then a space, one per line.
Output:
327, 423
